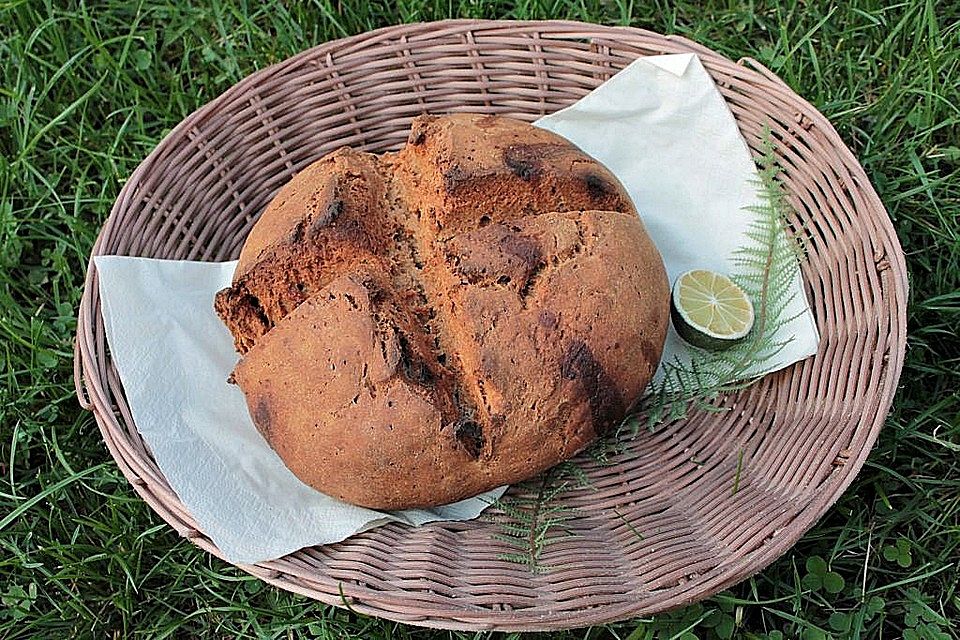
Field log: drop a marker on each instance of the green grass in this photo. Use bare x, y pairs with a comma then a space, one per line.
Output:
88, 90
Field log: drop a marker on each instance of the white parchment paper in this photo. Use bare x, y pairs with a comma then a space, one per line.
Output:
660, 125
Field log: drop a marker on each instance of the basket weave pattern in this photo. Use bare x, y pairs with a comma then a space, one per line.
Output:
803, 432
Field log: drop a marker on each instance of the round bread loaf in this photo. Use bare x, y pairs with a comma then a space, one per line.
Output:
421, 326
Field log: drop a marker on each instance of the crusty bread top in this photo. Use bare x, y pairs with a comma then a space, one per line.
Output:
421, 326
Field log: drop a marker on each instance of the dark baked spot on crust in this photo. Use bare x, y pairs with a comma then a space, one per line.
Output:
522, 247
333, 211
412, 365
548, 319
651, 355
527, 161
531, 257
469, 433
600, 391
454, 176
508, 258
263, 416
418, 130
375, 292
296, 234
598, 188
524, 160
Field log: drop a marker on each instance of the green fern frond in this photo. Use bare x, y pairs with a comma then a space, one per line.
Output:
530, 521
522, 558
602, 450
570, 469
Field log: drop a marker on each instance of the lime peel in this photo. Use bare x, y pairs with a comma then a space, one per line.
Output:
709, 310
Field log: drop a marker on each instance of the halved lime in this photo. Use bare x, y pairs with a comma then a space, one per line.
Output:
710, 311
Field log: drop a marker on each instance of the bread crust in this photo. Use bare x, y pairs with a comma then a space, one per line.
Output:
421, 326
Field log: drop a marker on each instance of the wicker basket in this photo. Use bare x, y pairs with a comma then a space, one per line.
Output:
804, 431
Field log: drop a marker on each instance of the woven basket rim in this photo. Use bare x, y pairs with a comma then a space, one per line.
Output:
97, 382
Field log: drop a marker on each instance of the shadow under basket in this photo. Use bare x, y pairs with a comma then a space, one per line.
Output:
803, 433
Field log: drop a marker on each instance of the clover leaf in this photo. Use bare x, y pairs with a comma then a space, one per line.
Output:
899, 553
820, 577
